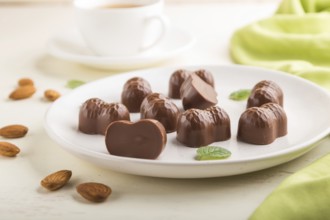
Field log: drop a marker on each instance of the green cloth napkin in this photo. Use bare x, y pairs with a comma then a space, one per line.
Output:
303, 196
295, 40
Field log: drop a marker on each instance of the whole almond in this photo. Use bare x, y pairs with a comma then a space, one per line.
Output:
51, 95
56, 180
13, 131
25, 82
94, 192
7, 149
22, 92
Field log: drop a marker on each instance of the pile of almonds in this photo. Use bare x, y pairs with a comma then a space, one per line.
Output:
92, 191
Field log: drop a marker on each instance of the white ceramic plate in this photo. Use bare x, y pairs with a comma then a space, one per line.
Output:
70, 46
307, 107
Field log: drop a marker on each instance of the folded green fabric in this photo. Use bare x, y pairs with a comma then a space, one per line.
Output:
295, 40
303, 196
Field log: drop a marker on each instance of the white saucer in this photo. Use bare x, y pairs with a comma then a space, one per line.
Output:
70, 46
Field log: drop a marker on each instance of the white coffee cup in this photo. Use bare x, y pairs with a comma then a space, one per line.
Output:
121, 27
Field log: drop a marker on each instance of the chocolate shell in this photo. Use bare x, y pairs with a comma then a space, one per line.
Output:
202, 127
206, 76
134, 91
95, 115
264, 92
159, 107
143, 139
195, 93
262, 125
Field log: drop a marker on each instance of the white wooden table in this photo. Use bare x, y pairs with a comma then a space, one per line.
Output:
24, 34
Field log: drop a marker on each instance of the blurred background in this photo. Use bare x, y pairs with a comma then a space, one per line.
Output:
175, 1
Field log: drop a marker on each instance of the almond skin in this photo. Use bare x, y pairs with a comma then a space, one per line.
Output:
25, 82
94, 192
22, 92
13, 131
7, 149
51, 95
56, 180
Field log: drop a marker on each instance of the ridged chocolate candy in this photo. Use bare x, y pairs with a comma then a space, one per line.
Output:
145, 138
95, 115
262, 125
159, 107
202, 127
264, 92
134, 91
195, 93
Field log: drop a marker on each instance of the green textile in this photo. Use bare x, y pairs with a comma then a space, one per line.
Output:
303, 196
295, 40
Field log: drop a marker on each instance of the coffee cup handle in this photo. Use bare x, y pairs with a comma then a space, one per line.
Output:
164, 22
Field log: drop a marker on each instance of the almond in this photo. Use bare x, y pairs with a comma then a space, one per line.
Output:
56, 180
13, 131
9, 150
51, 95
94, 192
25, 82
22, 92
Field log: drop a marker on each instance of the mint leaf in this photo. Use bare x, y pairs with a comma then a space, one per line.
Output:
212, 153
240, 95
72, 84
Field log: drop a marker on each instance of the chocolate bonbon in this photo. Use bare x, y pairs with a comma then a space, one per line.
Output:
179, 76
159, 107
264, 92
262, 125
202, 127
145, 138
195, 93
95, 115
134, 91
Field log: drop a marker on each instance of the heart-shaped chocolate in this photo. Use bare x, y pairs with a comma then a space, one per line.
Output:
179, 76
263, 92
196, 93
95, 115
262, 125
159, 107
134, 91
145, 138
202, 127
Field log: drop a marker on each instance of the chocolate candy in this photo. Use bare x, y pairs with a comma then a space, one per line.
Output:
262, 125
206, 76
202, 127
135, 90
159, 107
143, 139
195, 93
95, 115
178, 77
264, 92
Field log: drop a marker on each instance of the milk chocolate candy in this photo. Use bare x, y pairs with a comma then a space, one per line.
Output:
159, 107
145, 138
95, 115
135, 90
202, 127
264, 92
262, 125
206, 76
176, 80
195, 93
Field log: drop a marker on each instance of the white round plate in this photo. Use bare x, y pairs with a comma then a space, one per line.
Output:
307, 107
70, 46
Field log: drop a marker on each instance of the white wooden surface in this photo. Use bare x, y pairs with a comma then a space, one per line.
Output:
25, 32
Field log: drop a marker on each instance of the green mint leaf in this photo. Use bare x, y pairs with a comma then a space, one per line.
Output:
212, 153
240, 95
72, 84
